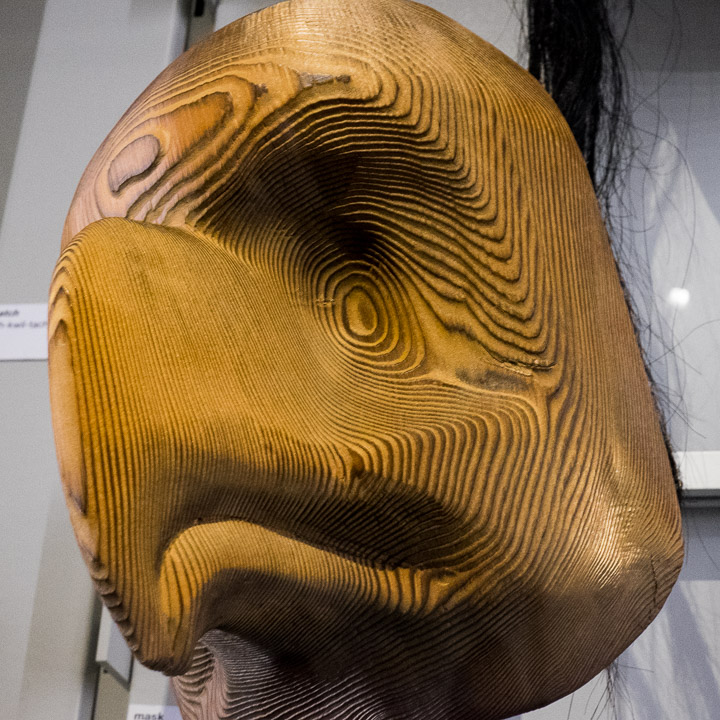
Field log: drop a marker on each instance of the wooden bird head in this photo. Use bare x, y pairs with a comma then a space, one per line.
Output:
350, 414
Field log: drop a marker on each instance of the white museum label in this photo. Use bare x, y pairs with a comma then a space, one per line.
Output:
153, 712
23, 331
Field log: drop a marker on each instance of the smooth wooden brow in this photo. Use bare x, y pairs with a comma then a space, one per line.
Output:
349, 410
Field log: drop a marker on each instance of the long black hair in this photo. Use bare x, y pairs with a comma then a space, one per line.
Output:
575, 52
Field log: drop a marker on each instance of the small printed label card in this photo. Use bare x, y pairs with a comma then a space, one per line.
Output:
153, 712
23, 331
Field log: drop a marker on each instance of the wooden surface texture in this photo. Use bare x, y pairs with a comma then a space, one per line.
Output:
349, 409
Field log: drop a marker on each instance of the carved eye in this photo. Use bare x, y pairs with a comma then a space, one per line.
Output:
371, 318
362, 315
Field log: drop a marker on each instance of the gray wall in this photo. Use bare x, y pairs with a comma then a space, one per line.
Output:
675, 69
19, 33
91, 59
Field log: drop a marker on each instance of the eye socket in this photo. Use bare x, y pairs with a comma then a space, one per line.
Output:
360, 314
367, 312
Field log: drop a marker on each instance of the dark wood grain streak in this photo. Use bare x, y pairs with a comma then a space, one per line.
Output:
350, 414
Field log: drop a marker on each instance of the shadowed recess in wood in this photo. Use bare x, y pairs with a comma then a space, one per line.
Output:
349, 410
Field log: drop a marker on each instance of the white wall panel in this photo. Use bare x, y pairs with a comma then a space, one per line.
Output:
93, 58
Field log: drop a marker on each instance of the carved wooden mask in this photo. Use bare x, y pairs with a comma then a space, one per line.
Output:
350, 414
